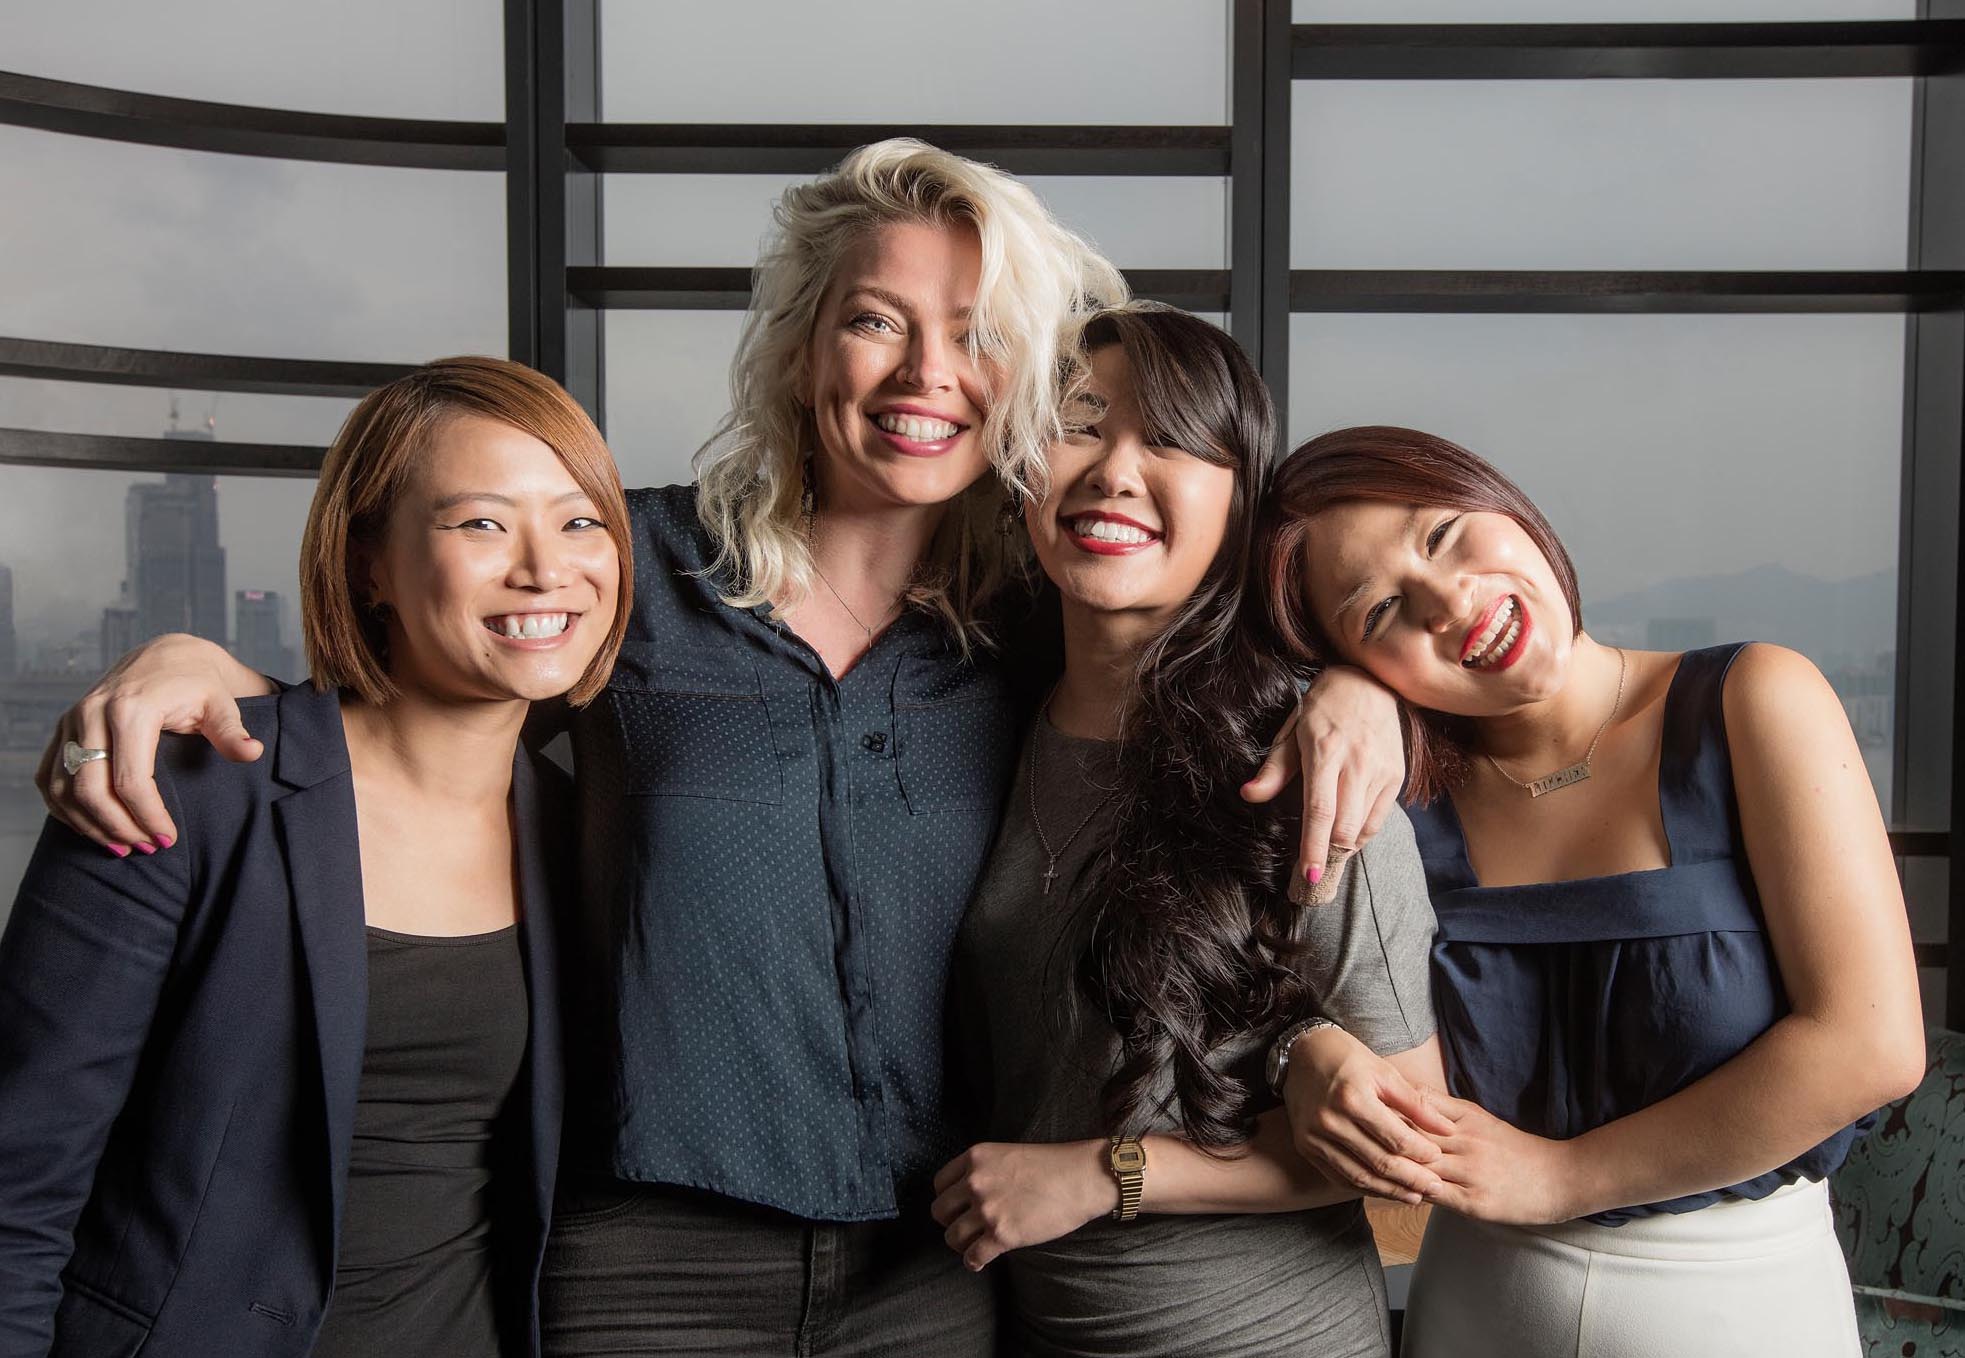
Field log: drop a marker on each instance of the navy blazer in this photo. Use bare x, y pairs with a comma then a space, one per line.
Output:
181, 1045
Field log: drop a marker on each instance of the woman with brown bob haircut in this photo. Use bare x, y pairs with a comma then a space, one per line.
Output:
295, 1088
1672, 972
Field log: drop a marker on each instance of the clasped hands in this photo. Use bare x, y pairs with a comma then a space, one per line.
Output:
1356, 1118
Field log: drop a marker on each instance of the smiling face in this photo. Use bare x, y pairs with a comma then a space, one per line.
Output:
1128, 526
1454, 611
500, 579
897, 398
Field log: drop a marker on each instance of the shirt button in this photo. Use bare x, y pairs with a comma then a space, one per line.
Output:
875, 741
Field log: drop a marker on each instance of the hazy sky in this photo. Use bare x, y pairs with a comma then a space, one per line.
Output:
1662, 445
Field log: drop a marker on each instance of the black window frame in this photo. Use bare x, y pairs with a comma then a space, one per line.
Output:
555, 151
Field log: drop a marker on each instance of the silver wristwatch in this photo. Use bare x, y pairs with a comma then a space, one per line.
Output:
1278, 1064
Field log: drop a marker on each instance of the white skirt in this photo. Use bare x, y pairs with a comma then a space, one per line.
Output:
1737, 1279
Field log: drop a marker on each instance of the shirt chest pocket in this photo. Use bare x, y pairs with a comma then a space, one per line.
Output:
694, 724
956, 730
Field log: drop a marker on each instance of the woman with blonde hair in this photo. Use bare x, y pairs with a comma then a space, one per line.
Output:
295, 1086
790, 784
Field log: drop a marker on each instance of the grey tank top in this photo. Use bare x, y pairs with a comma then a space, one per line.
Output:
447, 1030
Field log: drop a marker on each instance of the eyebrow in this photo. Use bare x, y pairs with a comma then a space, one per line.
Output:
493, 497
895, 300
1364, 587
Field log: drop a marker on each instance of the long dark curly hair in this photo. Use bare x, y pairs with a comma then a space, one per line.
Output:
1188, 942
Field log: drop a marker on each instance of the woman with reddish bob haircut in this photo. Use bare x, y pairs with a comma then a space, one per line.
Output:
1671, 971
296, 1087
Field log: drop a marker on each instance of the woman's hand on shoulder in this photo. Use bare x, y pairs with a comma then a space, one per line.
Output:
1346, 741
174, 683
1494, 1171
999, 1196
1355, 1117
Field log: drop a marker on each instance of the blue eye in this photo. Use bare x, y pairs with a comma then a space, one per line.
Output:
867, 320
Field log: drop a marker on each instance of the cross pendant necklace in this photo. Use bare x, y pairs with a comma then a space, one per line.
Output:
1051, 856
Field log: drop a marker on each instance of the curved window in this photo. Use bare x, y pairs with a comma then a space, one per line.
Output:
1593, 11
147, 412
719, 220
370, 58
1600, 174
94, 561
901, 61
153, 248
668, 383
1713, 477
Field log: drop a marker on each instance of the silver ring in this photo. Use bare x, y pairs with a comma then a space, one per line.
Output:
74, 756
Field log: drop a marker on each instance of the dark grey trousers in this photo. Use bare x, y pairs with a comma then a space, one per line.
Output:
635, 1269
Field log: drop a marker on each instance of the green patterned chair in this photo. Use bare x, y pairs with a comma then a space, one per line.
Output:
1900, 1209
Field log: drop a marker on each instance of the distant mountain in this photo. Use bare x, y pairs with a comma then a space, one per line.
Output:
1837, 623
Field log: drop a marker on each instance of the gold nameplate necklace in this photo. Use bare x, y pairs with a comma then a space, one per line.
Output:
1580, 770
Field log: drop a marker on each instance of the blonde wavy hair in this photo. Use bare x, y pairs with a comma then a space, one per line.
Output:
1039, 283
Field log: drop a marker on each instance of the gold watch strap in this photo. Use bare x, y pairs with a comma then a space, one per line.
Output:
1128, 1160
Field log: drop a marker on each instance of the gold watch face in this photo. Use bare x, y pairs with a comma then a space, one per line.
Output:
1128, 1157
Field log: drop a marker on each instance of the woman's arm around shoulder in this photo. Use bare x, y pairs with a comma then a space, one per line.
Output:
82, 962
173, 683
1346, 740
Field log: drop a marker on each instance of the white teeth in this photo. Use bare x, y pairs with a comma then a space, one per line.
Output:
1497, 636
520, 625
1105, 530
1501, 647
916, 428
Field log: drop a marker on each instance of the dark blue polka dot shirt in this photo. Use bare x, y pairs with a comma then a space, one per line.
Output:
775, 864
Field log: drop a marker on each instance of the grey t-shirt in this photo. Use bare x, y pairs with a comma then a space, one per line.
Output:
1037, 1058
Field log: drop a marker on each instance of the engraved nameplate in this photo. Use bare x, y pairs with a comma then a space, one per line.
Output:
1575, 773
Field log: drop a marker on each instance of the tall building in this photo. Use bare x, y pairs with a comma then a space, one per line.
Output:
117, 635
258, 633
177, 568
9, 647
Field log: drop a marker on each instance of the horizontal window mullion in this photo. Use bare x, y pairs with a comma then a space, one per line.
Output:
614, 287
112, 452
795, 148
61, 362
1710, 51
1661, 291
238, 129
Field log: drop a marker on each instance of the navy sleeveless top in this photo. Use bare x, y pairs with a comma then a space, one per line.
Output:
1566, 1005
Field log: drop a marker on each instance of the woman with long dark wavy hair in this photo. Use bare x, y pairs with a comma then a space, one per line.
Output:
1132, 949
1672, 970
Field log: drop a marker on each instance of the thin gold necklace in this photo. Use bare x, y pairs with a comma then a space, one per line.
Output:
812, 538
1580, 770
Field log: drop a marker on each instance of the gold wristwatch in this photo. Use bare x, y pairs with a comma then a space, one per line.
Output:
1128, 1160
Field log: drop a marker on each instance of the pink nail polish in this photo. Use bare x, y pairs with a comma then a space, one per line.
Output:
1313, 875
146, 846
165, 841
120, 850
